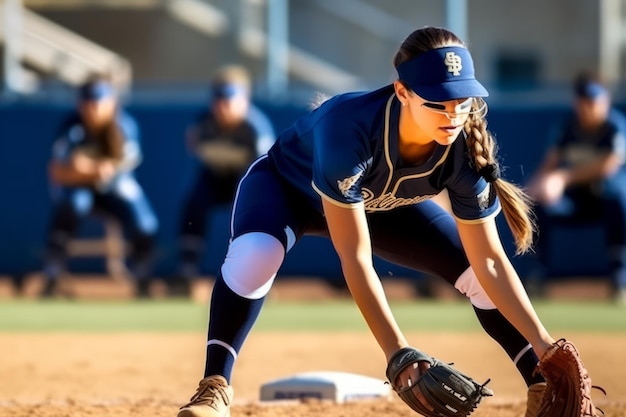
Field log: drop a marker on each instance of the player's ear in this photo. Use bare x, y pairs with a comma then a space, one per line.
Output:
401, 91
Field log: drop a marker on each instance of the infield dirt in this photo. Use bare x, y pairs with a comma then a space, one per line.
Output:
152, 374
145, 374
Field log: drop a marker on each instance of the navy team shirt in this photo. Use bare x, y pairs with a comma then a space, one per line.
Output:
346, 151
75, 138
578, 147
255, 135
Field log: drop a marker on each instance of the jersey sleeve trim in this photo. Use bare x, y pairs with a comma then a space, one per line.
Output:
480, 220
326, 197
386, 141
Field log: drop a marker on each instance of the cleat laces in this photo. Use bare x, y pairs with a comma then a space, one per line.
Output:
211, 392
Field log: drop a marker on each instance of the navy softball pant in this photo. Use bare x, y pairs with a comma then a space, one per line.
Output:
126, 202
422, 237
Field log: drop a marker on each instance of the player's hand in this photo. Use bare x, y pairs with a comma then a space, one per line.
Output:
554, 186
83, 163
409, 376
549, 188
106, 170
431, 387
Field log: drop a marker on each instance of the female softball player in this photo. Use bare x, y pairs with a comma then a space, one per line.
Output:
361, 169
92, 170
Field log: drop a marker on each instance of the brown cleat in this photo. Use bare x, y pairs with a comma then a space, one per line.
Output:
212, 399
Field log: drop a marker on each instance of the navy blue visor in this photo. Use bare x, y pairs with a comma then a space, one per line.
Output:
442, 74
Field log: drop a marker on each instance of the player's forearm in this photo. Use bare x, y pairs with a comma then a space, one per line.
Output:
350, 236
500, 281
593, 171
368, 294
68, 175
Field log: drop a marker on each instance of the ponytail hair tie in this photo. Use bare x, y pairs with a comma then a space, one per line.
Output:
490, 172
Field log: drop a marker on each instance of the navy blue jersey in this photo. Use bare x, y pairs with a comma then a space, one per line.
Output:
75, 138
346, 151
233, 149
580, 146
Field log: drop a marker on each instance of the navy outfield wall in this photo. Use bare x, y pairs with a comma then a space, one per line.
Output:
27, 130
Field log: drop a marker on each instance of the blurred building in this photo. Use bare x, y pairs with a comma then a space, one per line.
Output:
327, 45
166, 51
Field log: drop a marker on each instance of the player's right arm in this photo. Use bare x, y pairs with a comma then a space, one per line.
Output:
539, 186
499, 279
349, 234
342, 158
350, 237
78, 170
70, 167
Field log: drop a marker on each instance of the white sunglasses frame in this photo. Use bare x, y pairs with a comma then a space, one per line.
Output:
481, 109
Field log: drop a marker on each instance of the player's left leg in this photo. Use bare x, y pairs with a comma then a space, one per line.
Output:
265, 224
425, 238
129, 203
70, 206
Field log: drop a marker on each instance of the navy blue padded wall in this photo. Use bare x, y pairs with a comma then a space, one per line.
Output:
27, 130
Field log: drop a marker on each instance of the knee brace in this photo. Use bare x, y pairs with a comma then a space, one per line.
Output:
468, 285
251, 264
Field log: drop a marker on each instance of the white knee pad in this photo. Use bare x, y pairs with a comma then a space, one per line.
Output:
251, 264
468, 285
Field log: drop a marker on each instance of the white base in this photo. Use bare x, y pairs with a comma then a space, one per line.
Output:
335, 386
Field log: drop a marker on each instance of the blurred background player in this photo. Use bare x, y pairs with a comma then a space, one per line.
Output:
581, 178
225, 139
91, 171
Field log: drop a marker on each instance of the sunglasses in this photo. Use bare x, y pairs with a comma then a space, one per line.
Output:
468, 107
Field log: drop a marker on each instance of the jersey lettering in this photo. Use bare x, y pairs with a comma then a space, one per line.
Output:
388, 201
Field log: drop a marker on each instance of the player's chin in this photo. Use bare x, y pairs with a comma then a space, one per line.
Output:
446, 136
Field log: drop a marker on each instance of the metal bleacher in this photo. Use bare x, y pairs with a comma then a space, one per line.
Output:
38, 43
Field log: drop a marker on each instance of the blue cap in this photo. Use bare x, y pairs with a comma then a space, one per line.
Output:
228, 90
589, 89
442, 74
95, 91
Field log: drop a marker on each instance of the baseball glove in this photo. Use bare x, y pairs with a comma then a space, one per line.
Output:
568, 385
441, 391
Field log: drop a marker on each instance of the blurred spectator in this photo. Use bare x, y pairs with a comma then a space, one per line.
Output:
581, 178
91, 171
226, 138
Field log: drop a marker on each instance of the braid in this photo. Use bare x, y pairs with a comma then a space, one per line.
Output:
480, 141
516, 204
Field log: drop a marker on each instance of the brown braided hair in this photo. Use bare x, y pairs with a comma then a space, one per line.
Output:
111, 141
516, 204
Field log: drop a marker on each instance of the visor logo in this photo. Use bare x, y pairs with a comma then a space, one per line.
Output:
453, 62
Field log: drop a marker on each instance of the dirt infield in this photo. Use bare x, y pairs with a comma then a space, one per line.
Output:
148, 374
152, 374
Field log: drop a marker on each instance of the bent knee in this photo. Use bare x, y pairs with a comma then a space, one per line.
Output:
251, 264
